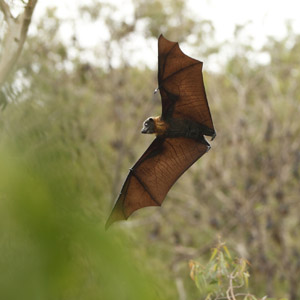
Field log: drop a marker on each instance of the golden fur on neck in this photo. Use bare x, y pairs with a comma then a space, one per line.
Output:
160, 126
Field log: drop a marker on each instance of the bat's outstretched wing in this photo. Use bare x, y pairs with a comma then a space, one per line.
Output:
150, 179
181, 85
183, 97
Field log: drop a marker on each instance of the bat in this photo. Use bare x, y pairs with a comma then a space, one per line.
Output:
180, 131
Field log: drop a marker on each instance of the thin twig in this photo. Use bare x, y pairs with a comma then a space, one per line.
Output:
180, 288
230, 292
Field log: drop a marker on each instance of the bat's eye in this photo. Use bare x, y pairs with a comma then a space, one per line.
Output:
147, 123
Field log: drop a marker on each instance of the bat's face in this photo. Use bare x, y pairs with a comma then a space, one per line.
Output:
148, 126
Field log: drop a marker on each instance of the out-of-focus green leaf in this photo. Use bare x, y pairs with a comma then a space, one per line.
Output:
227, 252
215, 251
50, 248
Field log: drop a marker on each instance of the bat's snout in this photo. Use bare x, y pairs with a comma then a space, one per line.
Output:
144, 129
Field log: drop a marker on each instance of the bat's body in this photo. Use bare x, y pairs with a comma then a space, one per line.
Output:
181, 128
180, 131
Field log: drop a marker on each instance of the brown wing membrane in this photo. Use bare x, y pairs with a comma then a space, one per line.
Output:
181, 85
150, 179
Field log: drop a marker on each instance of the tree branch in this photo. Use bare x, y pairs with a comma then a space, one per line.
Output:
6, 11
15, 37
230, 292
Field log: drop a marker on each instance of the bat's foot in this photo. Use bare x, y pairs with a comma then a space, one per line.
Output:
156, 90
213, 136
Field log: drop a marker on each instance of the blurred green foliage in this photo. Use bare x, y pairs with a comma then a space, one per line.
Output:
53, 244
71, 129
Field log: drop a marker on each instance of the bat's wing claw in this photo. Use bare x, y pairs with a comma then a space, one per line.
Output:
208, 148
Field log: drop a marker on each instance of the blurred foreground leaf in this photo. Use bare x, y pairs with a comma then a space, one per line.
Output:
49, 248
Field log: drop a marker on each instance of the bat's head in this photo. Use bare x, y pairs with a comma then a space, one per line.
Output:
148, 126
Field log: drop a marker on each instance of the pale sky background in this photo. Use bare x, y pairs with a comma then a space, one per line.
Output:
266, 17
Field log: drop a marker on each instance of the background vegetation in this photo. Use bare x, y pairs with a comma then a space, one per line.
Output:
70, 130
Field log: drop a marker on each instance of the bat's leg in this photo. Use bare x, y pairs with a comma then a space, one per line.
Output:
202, 140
